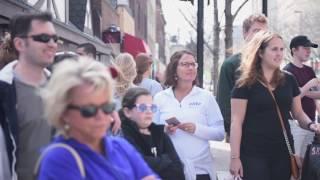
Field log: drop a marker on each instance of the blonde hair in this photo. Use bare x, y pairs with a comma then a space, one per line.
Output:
250, 67
67, 75
7, 51
126, 67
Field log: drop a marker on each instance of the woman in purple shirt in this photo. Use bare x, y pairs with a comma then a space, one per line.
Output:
78, 102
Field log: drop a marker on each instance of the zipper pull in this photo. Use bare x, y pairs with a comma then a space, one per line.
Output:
154, 151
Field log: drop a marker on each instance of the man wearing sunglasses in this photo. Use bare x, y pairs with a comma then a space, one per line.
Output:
21, 110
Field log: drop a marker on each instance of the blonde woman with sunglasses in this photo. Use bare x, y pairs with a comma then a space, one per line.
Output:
78, 103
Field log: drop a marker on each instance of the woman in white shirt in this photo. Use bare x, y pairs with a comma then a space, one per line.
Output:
196, 110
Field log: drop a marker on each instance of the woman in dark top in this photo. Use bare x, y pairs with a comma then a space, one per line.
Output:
148, 138
258, 148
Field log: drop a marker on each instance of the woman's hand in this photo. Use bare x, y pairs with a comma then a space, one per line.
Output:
171, 129
236, 167
187, 127
315, 128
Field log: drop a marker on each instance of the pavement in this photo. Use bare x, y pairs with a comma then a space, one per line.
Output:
221, 155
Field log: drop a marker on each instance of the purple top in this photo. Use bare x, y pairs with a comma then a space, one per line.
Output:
121, 162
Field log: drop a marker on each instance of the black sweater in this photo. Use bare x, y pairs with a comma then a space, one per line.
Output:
165, 161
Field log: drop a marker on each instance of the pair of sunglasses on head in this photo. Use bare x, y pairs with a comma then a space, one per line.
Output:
43, 38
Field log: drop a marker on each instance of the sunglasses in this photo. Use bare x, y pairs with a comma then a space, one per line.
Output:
92, 110
146, 107
44, 38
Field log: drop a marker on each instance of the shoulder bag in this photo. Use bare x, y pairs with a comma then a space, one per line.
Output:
293, 161
67, 147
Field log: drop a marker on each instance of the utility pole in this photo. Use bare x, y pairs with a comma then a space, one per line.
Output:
265, 7
200, 41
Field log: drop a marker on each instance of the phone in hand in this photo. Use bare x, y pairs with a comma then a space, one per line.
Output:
173, 121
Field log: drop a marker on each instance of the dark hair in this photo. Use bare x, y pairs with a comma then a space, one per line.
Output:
20, 25
143, 62
60, 56
130, 98
171, 72
88, 48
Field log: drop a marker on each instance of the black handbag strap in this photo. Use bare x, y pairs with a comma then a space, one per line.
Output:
284, 131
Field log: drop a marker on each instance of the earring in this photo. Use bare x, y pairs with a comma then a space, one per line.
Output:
66, 127
176, 77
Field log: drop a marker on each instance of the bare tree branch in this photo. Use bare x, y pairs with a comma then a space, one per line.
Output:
195, 28
239, 8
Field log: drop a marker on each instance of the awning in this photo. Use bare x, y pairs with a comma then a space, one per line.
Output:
134, 45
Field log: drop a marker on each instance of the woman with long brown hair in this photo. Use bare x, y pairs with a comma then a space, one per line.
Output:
192, 116
258, 147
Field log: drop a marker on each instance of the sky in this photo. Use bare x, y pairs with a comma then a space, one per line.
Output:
177, 25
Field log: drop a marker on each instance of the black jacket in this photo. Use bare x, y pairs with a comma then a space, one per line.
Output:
9, 120
166, 163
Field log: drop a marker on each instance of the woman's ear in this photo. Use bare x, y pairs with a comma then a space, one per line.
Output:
127, 112
64, 117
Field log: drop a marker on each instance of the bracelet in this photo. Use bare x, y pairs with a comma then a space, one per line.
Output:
309, 125
234, 157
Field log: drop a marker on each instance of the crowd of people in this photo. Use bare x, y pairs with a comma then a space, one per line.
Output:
68, 116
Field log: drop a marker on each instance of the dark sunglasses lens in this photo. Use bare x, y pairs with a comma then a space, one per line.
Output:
88, 111
45, 38
108, 108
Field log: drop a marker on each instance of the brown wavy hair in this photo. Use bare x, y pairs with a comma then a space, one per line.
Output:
143, 62
171, 71
250, 67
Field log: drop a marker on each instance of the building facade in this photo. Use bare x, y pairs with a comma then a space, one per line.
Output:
74, 25
79, 21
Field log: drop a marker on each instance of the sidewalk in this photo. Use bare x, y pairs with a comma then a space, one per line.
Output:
221, 155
